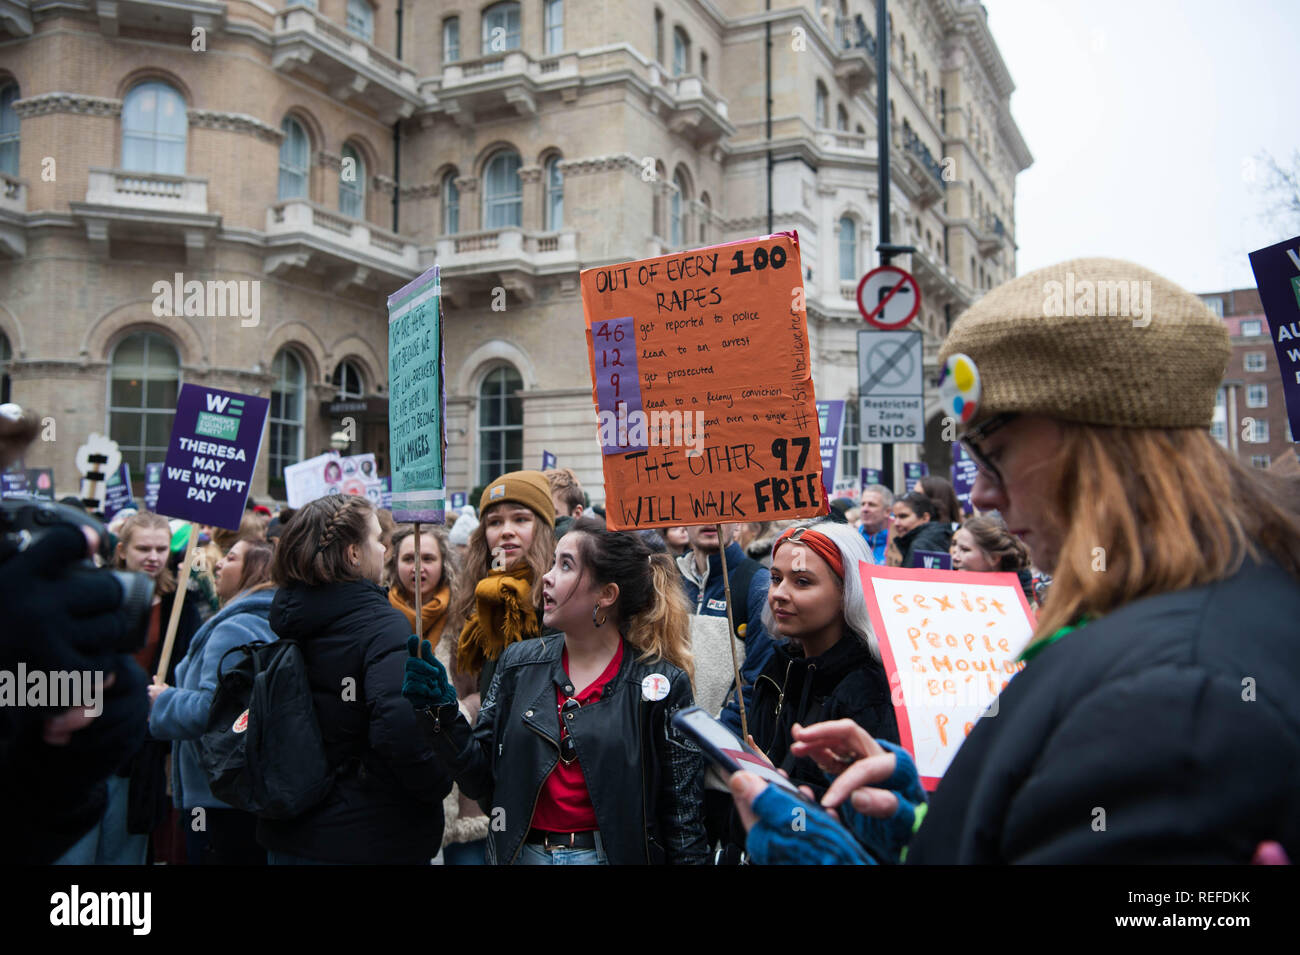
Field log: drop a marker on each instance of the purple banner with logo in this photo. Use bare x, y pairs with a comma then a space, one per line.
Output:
830, 420
152, 481
458, 499
963, 475
211, 455
40, 483
117, 492
1277, 275
548, 460
932, 560
13, 484
870, 476
913, 471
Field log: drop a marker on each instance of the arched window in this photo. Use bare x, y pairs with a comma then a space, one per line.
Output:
679, 198
705, 214
841, 118
287, 412
503, 193
500, 424
849, 443
352, 184
8, 130
822, 111
681, 52
361, 19
295, 157
450, 40
6, 356
660, 200
143, 382
848, 249
500, 28
553, 25
450, 205
347, 379
554, 195
153, 129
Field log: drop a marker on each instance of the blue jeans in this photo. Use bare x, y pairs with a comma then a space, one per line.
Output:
465, 853
108, 842
533, 854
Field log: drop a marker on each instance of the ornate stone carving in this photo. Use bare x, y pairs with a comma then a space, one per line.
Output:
595, 164
234, 123
77, 103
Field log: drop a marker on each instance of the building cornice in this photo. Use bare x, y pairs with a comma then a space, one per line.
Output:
235, 123
79, 103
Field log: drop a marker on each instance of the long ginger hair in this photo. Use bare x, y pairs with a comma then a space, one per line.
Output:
1153, 511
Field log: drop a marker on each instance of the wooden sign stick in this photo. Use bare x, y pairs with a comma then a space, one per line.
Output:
731, 634
419, 566
182, 586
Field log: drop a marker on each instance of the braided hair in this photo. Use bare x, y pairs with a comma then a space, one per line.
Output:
313, 547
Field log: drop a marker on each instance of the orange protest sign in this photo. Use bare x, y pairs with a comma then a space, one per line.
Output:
703, 386
950, 642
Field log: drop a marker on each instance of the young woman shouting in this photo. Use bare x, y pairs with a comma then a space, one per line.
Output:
573, 750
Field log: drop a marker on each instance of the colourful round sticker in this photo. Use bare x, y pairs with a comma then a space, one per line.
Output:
959, 388
654, 687
241, 723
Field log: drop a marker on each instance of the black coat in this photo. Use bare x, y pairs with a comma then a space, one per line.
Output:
844, 682
644, 780
386, 805
933, 536
1167, 732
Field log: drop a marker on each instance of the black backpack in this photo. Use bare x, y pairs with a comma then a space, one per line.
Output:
262, 749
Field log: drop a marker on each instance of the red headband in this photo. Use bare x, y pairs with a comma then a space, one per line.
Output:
821, 545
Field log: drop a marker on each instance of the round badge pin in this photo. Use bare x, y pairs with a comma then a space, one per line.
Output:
959, 388
241, 723
654, 687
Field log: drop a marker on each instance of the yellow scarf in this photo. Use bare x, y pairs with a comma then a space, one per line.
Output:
503, 615
432, 615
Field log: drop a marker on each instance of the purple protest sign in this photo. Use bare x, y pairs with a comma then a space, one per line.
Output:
870, 476
618, 386
458, 499
830, 419
1277, 275
548, 460
152, 480
211, 455
913, 471
117, 492
40, 483
13, 484
932, 560
963, 474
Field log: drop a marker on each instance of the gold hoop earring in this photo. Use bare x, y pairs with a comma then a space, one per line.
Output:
594, 621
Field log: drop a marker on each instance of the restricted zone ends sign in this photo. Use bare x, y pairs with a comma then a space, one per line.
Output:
888, 298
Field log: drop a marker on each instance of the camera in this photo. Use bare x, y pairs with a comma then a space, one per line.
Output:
22, 523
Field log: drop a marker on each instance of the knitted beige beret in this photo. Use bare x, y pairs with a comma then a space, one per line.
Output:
1098, 341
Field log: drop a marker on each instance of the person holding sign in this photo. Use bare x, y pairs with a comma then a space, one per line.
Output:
385, 805
574, 750
180, 712
1156, 719
828, 665
509, 550
137, 798
464, 837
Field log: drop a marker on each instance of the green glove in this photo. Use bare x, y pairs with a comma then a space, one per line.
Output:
426, 683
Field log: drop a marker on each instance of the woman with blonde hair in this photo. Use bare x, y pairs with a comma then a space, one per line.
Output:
1161, 678
508, 552
180, 712
575, 744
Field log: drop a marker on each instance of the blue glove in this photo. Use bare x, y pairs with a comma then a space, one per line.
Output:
887, 839
426, 683
790, 831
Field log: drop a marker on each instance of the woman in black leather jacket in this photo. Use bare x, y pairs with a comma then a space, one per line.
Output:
573, 756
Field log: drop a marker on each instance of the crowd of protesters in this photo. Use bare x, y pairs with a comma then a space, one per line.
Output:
502, 691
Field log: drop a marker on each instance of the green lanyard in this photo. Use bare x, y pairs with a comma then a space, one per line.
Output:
1034, 649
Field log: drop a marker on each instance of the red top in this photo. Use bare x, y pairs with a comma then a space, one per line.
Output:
564, 805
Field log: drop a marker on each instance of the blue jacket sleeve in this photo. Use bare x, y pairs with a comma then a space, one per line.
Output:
758, 649
180, 713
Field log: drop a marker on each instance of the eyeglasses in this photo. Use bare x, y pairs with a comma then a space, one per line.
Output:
568, 751
971, 442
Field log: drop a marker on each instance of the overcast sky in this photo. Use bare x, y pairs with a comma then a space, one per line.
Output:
1143, 117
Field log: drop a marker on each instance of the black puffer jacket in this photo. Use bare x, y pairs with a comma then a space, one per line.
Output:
934, 536
644, 780
386, 805
1166, 732
845, 682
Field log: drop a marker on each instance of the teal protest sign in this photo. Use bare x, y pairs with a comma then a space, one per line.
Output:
416, 398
